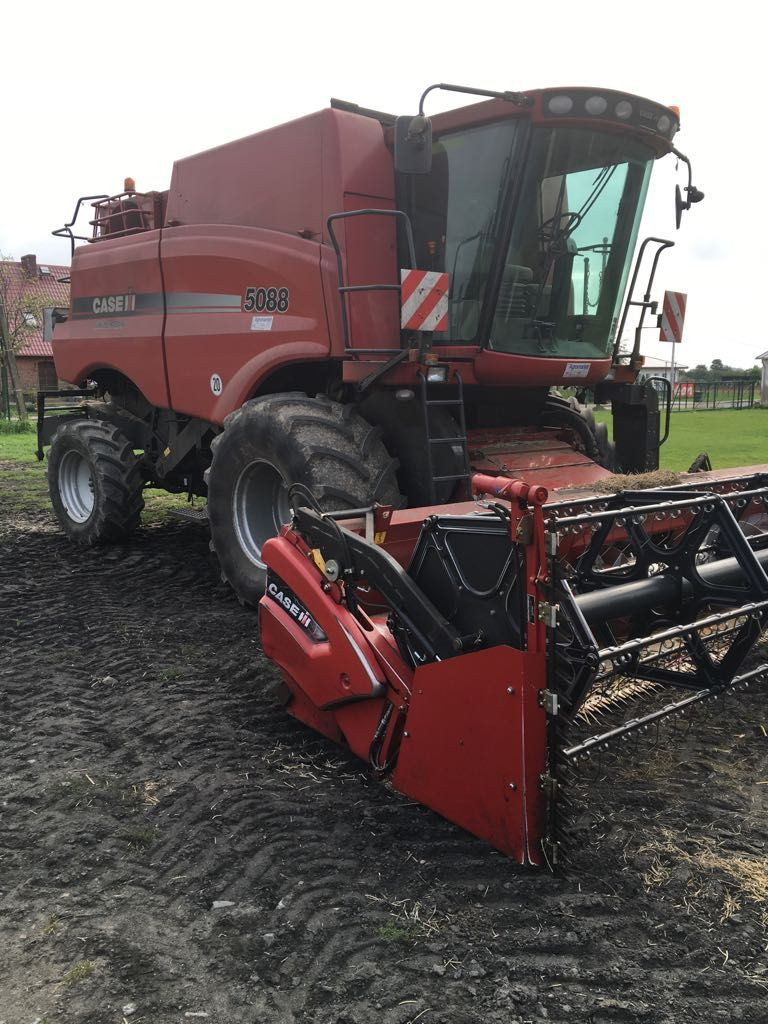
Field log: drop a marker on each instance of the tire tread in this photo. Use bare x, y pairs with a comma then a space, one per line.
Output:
120, 498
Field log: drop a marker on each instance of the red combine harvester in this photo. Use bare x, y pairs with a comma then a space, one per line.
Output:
348, 333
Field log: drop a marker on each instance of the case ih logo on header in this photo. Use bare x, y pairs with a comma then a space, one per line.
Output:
672, 317
424, 299
285, 597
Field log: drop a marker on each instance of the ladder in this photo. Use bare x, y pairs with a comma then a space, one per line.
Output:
455, 404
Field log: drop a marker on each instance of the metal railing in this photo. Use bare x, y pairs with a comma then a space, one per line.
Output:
736, 393
115, 216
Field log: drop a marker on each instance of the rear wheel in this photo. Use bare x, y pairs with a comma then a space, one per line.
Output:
270, 444
95, 482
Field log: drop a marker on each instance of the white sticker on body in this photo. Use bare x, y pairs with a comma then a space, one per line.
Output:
216, 384
576, 370
261, 323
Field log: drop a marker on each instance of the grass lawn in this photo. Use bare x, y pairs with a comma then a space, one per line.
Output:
23, 480
18, 447
733, 437
23, 486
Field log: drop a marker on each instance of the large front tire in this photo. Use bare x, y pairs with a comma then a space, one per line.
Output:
95, 482
268, 445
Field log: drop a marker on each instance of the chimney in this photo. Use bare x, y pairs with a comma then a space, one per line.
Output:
29, 264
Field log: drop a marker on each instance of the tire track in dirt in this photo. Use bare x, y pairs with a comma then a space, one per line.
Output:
131, 806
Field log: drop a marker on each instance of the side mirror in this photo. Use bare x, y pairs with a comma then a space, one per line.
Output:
53, 315
680, 205
413, 144
694, 196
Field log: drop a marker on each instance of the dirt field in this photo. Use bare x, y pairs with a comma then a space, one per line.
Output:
176, 849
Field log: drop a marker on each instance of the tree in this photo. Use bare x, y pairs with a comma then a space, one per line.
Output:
699, 372
22, 302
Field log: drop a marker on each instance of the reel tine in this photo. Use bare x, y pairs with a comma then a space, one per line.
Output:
690, 718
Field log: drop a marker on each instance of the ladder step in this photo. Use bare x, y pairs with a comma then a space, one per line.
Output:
456, 403
191, 515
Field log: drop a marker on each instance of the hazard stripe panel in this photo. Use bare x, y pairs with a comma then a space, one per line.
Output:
673, 317
424, 300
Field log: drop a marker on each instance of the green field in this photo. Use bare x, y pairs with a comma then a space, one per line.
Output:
733, 437
18, 447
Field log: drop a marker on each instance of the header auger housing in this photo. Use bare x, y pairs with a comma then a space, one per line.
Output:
478, 656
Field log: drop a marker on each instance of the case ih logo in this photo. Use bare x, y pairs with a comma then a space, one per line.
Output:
113, 304
285, 597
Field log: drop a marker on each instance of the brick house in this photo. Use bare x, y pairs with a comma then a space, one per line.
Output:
44, 284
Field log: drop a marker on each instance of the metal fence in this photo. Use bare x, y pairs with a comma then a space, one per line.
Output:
714, 394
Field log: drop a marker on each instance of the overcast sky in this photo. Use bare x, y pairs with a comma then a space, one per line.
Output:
97, 91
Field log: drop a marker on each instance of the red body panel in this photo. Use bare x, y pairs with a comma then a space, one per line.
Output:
497, 369
291, 179
207, 271
529, 371
233, 223
288, 178
325, 683
371, 251
131, 341
537, 457
358, 164
475, 746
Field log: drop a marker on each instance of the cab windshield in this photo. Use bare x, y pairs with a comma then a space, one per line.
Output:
572, 240
566, 261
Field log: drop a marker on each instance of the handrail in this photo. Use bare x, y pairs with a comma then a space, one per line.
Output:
66, 231
666, 386
345, 289
645, 303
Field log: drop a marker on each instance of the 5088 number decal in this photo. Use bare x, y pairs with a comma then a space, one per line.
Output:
266, 300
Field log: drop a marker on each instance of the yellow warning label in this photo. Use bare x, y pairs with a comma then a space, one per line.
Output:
379, 538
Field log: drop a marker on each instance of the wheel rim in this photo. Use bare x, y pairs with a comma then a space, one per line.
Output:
261, 506
76, 486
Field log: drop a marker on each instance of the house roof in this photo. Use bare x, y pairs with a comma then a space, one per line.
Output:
45, 278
